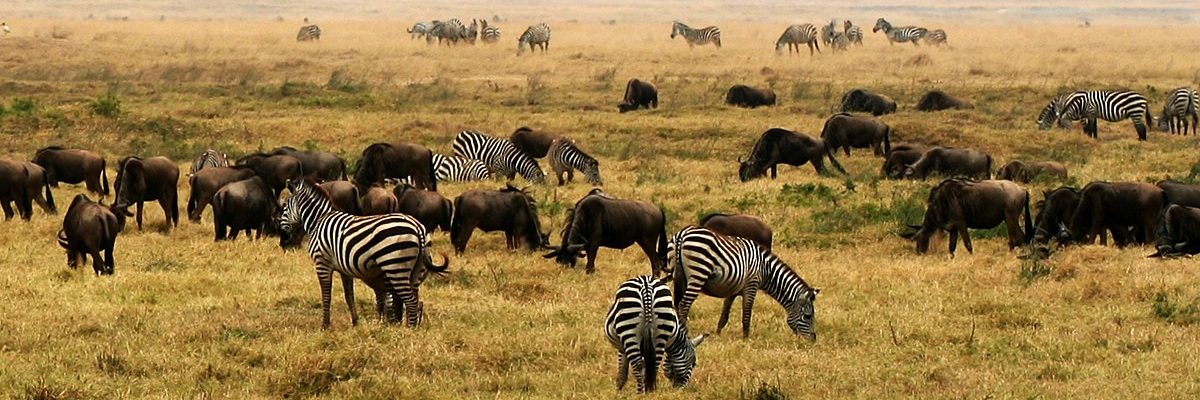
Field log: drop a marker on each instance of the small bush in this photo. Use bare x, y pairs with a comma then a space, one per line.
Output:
108, 105
24, 105
764, 391
290, 88
46, 391
341, 81
535, 89
1166, 309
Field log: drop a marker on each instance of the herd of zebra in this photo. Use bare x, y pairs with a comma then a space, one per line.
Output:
452, 31
1089, 106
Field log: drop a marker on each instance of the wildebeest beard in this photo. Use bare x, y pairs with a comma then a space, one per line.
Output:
570, 233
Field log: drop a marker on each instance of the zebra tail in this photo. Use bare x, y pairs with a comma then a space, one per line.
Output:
662, 243
649, 353
427, 260
1028, 221
679, 276
104, 176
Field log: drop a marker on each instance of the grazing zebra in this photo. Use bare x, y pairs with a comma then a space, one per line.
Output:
727, 267
309, 33
389, 252
535, 35
796, 35
1049, 114
449, 32
449, 168
936, 37
420, 29
1180, 103
853, 33
900, 34
1111, 106
702, 36
827, 32
472, 32
208, 159
501, 156
491, 34
644, 328
840, 41
565, 156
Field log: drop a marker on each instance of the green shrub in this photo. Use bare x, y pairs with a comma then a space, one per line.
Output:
24, 105
108, 105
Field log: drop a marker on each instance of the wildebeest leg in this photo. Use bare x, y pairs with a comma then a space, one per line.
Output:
592, 250
348, 290
460, 243
8, 211
98, 262
219, 228
953, 241
108, 258
725, 308
966, 236
72, 259
139, 214
748, 306
510, 239
1015, 236
774, 170
232, 235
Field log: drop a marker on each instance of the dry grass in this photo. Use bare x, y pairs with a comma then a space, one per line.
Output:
186, 317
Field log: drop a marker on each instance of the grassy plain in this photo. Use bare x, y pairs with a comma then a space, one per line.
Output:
186, 317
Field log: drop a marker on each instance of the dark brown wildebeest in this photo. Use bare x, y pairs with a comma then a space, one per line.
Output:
957, 205
276, 170
781, 146
206, 182
343, 195
74, 166
14, 188
323, 165
90, 228
599, 220
1018, 171
749, 97
937, 100
1120, 205
1055, 210
429, 207
899, 158
846, 131
638, 94
950, 161
377, 201
155, 178
862, 100
509, 209
1180, 193
380, 161
740, 225
533, 143
246, 205
38, 187
1178, 232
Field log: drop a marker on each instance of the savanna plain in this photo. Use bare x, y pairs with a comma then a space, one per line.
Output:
186, 317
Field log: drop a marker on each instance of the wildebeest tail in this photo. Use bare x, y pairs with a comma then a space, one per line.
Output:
104, 176
834, 161
432, 173
62, 239
887, 139
662, 241
456, 221
447, 215
989, 167
1028, 221
49, 194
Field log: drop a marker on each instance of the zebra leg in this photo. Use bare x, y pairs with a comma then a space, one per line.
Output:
348, 290
622, 371
570, 174
748, 306
633, 354
725, 313
325, 280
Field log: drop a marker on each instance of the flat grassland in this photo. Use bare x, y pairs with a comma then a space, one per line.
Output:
186, 317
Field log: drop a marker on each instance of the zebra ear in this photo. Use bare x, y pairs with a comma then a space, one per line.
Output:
698, 340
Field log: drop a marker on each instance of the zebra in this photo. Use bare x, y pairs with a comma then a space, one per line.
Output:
450, 168
840, 41
309, 33
420, 29
535, 35
1049, 114
936, 37
449, 31
490, 34
1180, 103
643, 327
702, 36
565, 156
389, 252
794, 36
1111, 106
900, 34
827, 32
208, 159
727, 267
472, 32
853, 33
501, 156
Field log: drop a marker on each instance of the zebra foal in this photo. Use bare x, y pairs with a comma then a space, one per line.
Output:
645, 330
566, 157
501, 156
1180, 104
458, 169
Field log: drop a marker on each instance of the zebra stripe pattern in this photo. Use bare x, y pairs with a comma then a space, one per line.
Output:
796, 35
702, 36
420, 29
491, 34
209, 159
309, 33
727, 267
936, 37
458, 169
566, 157
535, 35
472, 32
853, 33
644, 328
1049, 113
1181, 103
1110, 106
449, 32
500, 155
389, 252
900, 34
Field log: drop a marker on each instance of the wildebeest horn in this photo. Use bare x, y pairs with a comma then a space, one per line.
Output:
913, 226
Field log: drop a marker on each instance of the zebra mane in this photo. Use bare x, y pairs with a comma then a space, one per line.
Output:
778, 277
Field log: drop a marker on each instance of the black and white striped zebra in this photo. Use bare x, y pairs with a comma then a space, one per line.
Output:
450, 32
827, 32
1181, 103
840, 42
535, 35
796, 35
209, 159
1110, 106
501, 156
726, 267
420, 29
900, 34
459, 169
309, 33
472, 32
693, 36
644, 328
1046, 119
853, 33
936, 37
389, 252
489, 34
566, 157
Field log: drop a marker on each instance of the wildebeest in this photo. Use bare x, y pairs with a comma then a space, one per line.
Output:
343, 195
155, 178
638, 94
533, 143
37, 184
244, 205
509, 209
380, 161
740, 225
322, 165
276, 170
862, 100
74, 166
781, 146
206, 182
937, 100
749, 97
1118, 205
957, 205
429, 207
900, 158
90, 228
1019, 171
377, 201
599, 220
846, 131
1178, 232
14, 188
1180, 193
950, 161
1054, 212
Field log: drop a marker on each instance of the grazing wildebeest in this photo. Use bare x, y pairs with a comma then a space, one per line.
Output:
900, 158
846, 131
957, 205
155, 178
377, 201
598, 220
638, 94
90, 228
862, 100
322, 165
740, 225
1054, 212
380, 161
781, 146
533, 143
1178, 232
38, 187
1019, 171
14, 187
1180, 193
1120, 205
509, 209
246, 205
937, 100
429, 207
275, 170
950, 162
74, 166
206, 182
343, 195
749, 97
